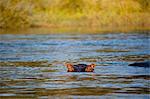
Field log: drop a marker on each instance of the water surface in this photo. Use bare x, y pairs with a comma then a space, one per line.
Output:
32, 66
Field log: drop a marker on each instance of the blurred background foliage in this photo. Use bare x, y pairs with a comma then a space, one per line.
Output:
61, 13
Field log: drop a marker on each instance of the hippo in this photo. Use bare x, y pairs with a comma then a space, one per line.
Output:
141, 64
80, 67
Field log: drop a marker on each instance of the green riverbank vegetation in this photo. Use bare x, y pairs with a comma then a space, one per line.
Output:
75, 13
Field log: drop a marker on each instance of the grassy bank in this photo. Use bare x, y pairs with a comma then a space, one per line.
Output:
100, 14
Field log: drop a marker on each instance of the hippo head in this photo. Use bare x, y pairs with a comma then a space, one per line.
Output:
80, 67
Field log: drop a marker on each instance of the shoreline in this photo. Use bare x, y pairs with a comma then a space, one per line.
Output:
49, 29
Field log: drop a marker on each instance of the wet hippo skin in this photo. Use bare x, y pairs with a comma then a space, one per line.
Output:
141, 64
80, 67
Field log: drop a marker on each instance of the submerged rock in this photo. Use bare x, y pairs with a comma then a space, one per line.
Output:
80, 67
141, 64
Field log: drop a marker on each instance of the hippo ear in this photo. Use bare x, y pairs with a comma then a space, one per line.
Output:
92, 65
70, 67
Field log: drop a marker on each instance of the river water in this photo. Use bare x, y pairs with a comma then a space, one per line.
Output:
32, 66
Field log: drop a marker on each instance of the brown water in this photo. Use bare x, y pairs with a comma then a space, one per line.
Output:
32, 66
